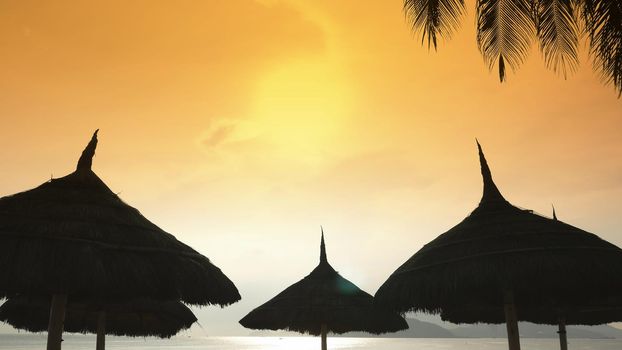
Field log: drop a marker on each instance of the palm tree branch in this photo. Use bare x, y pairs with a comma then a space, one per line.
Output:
434, 18
603, 21
504, 32
558, 34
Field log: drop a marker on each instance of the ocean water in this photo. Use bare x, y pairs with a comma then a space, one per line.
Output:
37, 342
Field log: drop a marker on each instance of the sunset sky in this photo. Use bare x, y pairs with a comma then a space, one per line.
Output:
242, 126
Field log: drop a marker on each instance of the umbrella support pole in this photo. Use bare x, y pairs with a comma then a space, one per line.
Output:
324, 347
56, 322
101, 331
511, 321
563, 340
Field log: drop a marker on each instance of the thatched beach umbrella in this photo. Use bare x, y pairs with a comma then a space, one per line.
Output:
74, 237
588, 315
323, 302
505, 256
137, 318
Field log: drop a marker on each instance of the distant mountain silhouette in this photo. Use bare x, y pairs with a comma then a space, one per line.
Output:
416, 329
530, 330
435, 328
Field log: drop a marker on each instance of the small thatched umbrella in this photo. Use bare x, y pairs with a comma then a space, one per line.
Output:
138, 318
504, 256
323, 302
588, 315
74, 237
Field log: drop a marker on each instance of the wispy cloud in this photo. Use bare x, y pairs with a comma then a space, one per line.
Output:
214, 137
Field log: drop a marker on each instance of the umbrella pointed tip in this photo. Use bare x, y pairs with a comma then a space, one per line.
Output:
491, 192
86, 159
554, 214
480, 150
322, 247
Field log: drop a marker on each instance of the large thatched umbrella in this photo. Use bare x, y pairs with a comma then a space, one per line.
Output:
323, 302
74, 237
137, 318
504, 256
588, 315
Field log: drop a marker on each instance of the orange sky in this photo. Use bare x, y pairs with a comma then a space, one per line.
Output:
241, 126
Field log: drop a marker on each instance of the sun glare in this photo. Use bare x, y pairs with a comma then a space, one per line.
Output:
302, 107
300, 342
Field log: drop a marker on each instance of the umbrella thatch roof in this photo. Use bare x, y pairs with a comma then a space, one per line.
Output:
138, 318
323, 297
500, 248
73, 235
545, 314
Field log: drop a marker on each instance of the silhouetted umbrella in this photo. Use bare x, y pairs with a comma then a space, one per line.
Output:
74, 237
323, 302
589, 315
502, 256
138, 318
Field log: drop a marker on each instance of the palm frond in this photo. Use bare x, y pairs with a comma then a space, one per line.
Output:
603, 20
557, 31
434, 18
535, 14
504, 32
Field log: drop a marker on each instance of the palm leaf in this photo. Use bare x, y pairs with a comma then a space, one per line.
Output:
557, 31
603, 20
434, 17
504, 32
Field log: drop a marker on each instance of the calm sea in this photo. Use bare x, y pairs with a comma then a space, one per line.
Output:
37, 342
